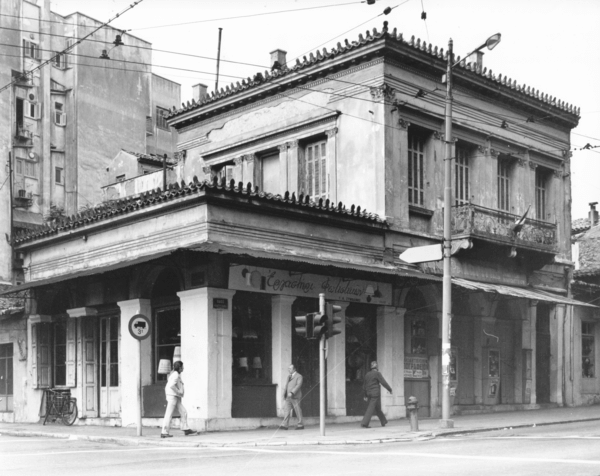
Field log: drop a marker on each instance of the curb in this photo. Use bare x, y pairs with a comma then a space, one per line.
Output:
129, 441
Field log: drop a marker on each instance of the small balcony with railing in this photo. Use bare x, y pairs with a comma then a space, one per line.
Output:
502, 228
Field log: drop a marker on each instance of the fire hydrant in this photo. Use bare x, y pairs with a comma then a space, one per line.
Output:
413, 408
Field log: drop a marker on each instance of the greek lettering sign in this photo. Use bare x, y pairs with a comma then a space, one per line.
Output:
416, 366
276, 281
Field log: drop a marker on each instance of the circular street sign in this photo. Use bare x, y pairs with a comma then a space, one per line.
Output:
139, 327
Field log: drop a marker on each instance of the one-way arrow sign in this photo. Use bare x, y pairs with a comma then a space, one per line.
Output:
422, 254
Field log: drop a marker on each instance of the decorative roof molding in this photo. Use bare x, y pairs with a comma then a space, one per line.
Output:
180, 190
323, 55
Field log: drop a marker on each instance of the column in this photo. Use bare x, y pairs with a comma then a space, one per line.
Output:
281, 355
283, 168
533, 326
332, 164
402, 178
293, 167
79, 392
527, 357
206, 333
237, 174
390, 356
478, 344
523, 193
129, 361
557, 316
251, 170
336, 368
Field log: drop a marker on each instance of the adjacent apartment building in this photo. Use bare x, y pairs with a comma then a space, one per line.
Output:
312, 178
63, 123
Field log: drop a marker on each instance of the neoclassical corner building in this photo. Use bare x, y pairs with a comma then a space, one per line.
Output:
313, 178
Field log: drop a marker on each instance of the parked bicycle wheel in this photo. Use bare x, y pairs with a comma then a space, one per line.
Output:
70, 412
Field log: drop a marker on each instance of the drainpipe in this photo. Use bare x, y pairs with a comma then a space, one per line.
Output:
164, 164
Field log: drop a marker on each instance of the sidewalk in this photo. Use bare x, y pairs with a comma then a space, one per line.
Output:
336, 434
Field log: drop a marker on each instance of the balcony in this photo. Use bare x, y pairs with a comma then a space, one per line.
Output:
495, 226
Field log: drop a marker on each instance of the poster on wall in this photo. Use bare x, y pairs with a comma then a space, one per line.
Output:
277, 281
453, 366
418, 338
494, 363
416, 366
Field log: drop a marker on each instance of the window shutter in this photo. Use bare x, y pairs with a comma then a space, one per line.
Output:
71, 353
302, 186
25, 48
43, 377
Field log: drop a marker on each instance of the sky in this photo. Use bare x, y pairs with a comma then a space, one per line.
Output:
551, 45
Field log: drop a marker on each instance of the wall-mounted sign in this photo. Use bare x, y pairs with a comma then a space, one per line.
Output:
276, 281
220, 303
416, 366
139, 327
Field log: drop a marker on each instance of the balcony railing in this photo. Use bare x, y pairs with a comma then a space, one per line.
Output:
498, 226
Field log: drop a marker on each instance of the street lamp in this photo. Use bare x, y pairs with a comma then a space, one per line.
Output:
445, 422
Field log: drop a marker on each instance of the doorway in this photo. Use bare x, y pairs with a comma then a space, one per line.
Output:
110, 395
89, 334
6, 377
542, 354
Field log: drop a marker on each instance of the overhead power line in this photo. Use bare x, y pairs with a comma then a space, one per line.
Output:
69, 48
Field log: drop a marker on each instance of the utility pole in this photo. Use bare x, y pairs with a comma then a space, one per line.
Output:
322, 350
218, 61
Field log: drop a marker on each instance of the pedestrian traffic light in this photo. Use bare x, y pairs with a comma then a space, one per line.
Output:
319, 325
304, 325
334, 320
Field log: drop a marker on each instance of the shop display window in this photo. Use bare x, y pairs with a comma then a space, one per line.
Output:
167, 337
251, 339
588, 354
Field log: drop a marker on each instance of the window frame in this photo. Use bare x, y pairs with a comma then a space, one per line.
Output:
31, 110
161, 122
504, 184
316, 176
415, 146
44, 352
541, 193
462, 175
31, 49
59, 175
60, 118
26, 167
155, 344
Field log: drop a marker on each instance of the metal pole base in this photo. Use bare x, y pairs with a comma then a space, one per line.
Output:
446, 423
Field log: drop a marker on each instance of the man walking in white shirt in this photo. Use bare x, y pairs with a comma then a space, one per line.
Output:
174, 391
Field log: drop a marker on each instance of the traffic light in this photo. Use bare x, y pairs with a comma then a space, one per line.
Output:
319, 325
334, 320
304, 325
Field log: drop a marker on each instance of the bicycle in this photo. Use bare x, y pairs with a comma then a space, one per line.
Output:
60, 404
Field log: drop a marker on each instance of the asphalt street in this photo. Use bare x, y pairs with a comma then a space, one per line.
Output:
572, 449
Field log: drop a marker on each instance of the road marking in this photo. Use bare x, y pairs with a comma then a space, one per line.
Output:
425, 454
23, 440
115, 450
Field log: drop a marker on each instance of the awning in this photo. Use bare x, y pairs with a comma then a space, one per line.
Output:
517, 292
86, 272
282, 256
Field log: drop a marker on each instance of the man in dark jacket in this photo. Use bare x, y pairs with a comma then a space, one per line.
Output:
373, 379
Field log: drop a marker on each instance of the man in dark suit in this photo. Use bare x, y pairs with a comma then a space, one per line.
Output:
371, 388
292, 394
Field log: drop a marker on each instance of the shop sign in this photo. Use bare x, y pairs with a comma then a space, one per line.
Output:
220, 303
276, 281
416, 366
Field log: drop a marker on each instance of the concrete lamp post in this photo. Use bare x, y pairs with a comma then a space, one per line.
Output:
446, 422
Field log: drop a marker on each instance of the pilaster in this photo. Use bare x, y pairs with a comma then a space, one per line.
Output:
283, 168
401, 175
293, 165
206, 340
332, 163
129, 361
336, 368
557, 316
390, 356
281, 327
238, 164
533, 345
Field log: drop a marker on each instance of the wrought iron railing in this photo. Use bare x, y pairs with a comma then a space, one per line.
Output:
497, 225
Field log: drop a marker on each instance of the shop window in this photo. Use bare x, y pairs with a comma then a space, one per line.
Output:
588, 353
6, 377
54, 348
251, 339
416, 173
167, 337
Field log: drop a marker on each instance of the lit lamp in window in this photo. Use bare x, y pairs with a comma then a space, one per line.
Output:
243, 363
177, 354
257, 366
164, 366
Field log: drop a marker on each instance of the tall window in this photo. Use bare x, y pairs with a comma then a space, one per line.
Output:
60, 118
59, 175
167, 335
416, 147
54, 353
540, 194
161, 121
6, 377
461, 176
503, 185
588, 354
316, 170
270, 173
26, 167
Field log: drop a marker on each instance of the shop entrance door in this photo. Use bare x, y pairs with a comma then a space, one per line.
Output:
6, 377
542, 354
89, 332
305, 357
110, 395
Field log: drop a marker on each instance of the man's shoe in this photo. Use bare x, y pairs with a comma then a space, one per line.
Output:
300, 427
365, 426
166, 435
383, 424
189, 432
283, 427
